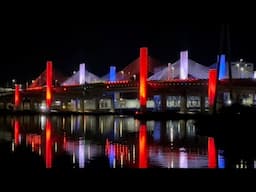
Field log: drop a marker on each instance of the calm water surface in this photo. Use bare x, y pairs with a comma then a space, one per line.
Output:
107, 141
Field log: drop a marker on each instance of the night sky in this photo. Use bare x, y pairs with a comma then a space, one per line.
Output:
26, 45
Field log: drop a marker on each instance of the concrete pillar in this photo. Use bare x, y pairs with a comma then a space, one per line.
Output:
116, 99
97, 104
236, 97
31, 105
82, 105
183, 104
183, 128
112, 105
202, 103
73, 105
17, 97
163, 103
254, 98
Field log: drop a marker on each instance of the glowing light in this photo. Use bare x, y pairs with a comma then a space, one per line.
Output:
157, 131
112, 74
212, 86
81, 154
49, 84
143, 156
184, 65
221, 160
254, 75
43, 107
223, 67
183, 159
143, 77
16, 131
48, 143
82, 74
211, 153
17, 95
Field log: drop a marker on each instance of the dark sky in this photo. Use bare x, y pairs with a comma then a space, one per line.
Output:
26, 45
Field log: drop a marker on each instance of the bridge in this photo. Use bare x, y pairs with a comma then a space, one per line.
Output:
176, 87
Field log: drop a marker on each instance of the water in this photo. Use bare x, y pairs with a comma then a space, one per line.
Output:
107, 142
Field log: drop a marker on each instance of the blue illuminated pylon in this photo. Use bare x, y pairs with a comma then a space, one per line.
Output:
112, 73
223, 71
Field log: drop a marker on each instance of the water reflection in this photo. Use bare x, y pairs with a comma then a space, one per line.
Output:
143, 146
113, 141
48, 144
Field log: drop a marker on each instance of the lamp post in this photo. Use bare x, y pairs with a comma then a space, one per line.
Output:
13, 83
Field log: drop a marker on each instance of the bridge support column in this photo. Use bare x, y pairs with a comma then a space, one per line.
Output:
202, 103
82, 105
116, 99
236, 97
112, 105
73, 105
163, 103
31, 105
97, 104
183, 128
17, 98
183, 104
254, 98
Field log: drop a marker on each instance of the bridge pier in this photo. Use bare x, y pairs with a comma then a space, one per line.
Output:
17, 99
202, 103
31, 105
236, 97
116, 99
82, 105
183, 104
163, 103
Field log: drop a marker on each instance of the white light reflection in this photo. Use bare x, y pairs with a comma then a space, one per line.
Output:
33, 146
101, 126
183, 158
89, 151
133, 154
171, 134
81, 150
42, 121
122, 160
72, 124
73, 158
39, 151
121, 129
63, 123
13, 145
55, 147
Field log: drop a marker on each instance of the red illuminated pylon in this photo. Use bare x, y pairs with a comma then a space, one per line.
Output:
212, 87
48, 84
143, 77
